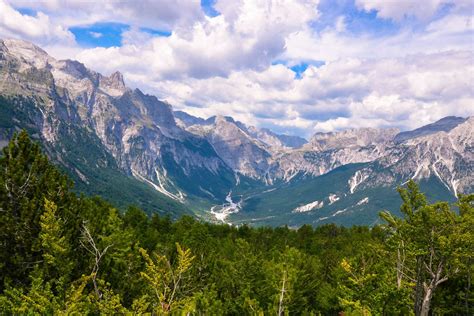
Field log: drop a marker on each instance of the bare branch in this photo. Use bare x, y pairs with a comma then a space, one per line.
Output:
94, 250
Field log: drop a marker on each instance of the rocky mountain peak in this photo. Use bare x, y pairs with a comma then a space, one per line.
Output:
278, 141
220, 119
113, 85
27, 52
73, 68
116, 80
187, 120
443, 125
358, 137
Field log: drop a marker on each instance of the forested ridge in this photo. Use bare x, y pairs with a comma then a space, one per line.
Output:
63, 253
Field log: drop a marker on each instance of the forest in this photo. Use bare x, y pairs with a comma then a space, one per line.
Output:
66, 253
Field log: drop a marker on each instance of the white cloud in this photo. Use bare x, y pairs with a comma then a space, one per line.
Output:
452, 24
340, 25
400, 9
96, 34
159, 14
249, 37
37, 28
226, 64
404, 92
409, 92
452, 32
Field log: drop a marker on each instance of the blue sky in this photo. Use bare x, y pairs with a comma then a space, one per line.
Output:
108, 34
296, 66
208, 8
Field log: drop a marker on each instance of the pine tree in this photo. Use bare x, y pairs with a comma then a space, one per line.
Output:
165, 281
55, 247
26, 178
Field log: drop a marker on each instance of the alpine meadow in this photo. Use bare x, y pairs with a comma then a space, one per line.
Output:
217, 157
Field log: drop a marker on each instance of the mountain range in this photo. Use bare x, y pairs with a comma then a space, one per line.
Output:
132, 148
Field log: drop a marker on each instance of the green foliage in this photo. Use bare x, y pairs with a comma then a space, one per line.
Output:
26, 179
80, 153
67, 254
270, 205
433, 244
53, 243
164, 280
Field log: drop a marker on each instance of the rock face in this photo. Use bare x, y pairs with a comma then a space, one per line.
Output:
446, 152
237, 148
327, 151
444, 125
352, 138
248, 150
137, 129
185, 157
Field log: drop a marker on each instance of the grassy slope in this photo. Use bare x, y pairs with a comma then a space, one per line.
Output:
275, 207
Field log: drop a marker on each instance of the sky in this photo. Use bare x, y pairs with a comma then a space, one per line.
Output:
295, 66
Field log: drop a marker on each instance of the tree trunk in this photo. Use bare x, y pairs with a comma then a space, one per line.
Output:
468, 289
419, 285
399, 269
425, 306
280, 305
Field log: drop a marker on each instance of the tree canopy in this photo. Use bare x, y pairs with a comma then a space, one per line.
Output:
67, 254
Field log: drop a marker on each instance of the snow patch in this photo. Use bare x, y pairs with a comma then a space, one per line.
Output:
455, 184
179, 197
333, 198
321, 219
237, 179
339, 212
422, 171
356, 180
159, 188
363, 201
207, 192
309, 207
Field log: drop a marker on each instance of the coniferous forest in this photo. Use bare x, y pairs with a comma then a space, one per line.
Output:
64, 253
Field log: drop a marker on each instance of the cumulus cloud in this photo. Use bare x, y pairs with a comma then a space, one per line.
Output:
247, 35
37, 28
161, 14
404, 92
454, 31
400, 9
236, 63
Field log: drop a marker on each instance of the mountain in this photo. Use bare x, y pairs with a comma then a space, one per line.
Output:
276, 140
327, 151
352, 138
137, 131
248, 150
263, 135
445, 124
185, 120
132, 148
237, 148
441, 162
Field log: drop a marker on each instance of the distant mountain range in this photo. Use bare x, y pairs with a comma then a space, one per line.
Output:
134, 149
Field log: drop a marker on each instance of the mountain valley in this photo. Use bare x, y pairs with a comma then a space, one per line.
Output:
132, 148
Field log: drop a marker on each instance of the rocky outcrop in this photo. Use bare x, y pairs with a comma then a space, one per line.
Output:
181, 155
137, 129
